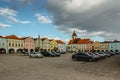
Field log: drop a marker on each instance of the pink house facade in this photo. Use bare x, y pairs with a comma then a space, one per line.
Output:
29, 45
89, 46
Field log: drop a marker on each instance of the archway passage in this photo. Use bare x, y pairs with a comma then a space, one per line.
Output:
20, 51
31, 50
25, 50
11, 51
2, 51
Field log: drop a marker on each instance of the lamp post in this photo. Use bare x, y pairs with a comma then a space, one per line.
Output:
38, 43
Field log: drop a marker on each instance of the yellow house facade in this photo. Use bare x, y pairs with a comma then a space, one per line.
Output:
104, 46
96, 46
53, 45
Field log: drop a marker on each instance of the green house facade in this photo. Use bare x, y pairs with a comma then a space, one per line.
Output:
3, 45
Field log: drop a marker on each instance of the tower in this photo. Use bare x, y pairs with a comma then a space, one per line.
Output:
74, 35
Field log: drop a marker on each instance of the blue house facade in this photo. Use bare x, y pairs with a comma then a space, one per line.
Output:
115, 45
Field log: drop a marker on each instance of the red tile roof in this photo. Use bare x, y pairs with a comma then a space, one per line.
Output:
60, 42
13, 37
26, 38
79, 41
1, 36
74, 41
84, 41
43, 39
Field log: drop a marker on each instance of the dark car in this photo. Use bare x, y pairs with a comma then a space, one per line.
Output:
111, 53
83, 57
96, 56
62, 52
117, 52
47, 54
56, 54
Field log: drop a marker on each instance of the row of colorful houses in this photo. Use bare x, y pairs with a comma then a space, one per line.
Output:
14, 44
77, 44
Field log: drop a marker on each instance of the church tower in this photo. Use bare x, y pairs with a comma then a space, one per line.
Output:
74, 35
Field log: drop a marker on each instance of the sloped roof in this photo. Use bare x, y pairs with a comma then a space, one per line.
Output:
12, 37
74, 41
51, 39
84, 41
43, 39
115, 41
1, 36
107, 42
60, 42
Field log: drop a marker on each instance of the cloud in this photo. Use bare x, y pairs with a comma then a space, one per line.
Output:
7, 12
11, 15
93, 18
4, 25
12, 19
43, 19
25, 22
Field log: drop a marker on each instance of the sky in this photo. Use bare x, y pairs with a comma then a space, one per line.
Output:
94, 19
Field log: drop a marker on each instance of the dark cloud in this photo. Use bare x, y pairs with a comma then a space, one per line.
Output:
94, 16
88, 17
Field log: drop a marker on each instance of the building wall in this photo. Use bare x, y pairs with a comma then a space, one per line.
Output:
53, 45
82, 47
72, 48
96, 46
46, 45
62, 47
38, 43
114, 46
15, 44
89, 47
29, 44
104, 46
3, 43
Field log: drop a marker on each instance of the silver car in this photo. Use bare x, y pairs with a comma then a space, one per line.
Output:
35, 55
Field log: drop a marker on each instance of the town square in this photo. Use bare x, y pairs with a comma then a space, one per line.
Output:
59, 40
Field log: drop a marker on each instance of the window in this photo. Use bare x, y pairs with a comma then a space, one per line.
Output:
2, 44
16, 44
21, 45
9, 44
12, 44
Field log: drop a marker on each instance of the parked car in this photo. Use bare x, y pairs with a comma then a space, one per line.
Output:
102, 56
83, 57
98, 57
56, 54
35, 55
47, 54
62, 52
112, 53
117, 52
107, 55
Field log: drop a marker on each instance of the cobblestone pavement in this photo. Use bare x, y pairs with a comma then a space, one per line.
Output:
19, 67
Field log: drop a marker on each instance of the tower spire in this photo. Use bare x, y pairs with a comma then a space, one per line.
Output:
74, 35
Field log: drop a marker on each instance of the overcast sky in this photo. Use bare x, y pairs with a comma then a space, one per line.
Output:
96, 19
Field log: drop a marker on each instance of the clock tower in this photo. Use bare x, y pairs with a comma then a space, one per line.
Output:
74, 35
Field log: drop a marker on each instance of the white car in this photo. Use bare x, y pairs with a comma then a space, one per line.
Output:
35, 55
